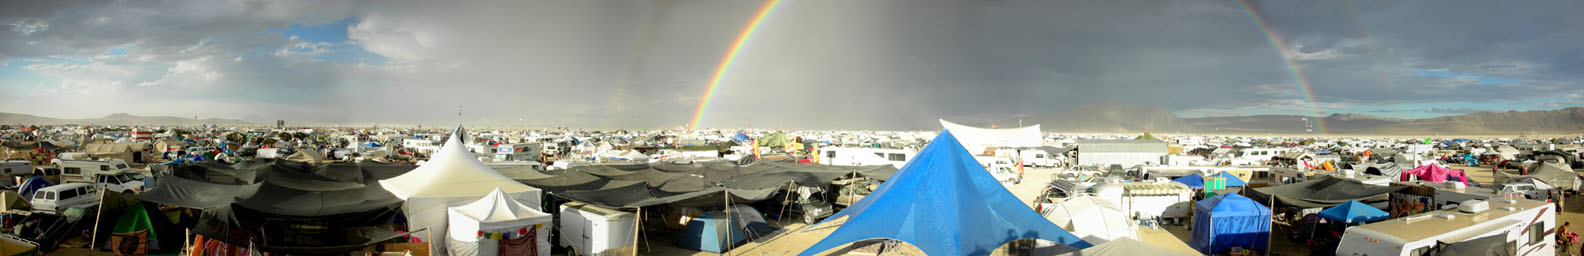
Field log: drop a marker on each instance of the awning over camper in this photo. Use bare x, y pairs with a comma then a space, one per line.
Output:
982, 214
1323, 192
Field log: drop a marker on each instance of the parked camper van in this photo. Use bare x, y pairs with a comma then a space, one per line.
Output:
1526, 225
865, 156
56, 199
13, 168
89, 170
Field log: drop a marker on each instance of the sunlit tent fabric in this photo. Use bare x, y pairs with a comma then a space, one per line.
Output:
10, 200
1323, 192
975, 139
1229, 220
1093, 219
944, 203
1556, 174
1353, 212
1196, 181
452, 174
1125, 247
495, 213
1434, 173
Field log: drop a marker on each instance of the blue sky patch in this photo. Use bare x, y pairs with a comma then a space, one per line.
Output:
333, 32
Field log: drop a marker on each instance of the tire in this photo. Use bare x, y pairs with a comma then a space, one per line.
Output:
809, 219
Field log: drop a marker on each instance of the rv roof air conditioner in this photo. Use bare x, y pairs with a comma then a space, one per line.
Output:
1473, 206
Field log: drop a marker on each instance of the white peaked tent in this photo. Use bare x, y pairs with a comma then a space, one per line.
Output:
452, 176
976, 139
1093, 219
495, 213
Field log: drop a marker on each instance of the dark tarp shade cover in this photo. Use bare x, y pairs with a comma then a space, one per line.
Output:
1324, 192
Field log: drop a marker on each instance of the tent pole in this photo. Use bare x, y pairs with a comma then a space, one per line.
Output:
727, 200
637, 228
1272, 224
99, 214
786, 201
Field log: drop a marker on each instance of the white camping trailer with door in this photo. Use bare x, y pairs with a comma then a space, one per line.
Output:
865, 156
1527, 225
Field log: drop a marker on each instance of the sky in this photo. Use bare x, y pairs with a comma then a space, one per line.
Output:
887, 64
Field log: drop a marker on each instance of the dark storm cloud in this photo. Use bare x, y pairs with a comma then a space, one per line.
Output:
812, 64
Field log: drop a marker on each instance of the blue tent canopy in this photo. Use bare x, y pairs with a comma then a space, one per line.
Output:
1196, 181
741, 137
1229, 220
944, 203
1353, 211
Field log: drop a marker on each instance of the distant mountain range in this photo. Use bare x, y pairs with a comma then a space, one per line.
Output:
116, 119
1114, 117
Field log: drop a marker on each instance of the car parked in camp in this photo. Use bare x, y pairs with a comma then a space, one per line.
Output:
56, 199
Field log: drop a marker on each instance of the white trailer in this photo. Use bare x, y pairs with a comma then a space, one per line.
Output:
864, 156
593, 230
1528, 226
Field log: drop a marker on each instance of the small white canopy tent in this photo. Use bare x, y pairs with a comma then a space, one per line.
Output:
495, 213
1093, 219
452, 176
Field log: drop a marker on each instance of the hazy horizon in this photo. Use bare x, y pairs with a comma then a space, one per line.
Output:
806, 65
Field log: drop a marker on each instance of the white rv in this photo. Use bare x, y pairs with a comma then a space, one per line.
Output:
13, 168
865, 156
89, 170
1527, 226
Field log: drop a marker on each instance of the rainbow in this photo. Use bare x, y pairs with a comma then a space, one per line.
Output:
1292, 65
726, 61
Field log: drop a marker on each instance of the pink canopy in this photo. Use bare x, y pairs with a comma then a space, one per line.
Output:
1435, 173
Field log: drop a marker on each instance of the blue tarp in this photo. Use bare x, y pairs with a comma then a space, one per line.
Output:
32, 185
944, 203
1227, 221
1196, 181
1353, 211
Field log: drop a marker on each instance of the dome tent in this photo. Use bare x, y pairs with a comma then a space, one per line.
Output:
452, 174
1092, 219
495, 213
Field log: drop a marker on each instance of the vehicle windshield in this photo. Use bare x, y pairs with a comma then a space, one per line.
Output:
123, 178
139, 176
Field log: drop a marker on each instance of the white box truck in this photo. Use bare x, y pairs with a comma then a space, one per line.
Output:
593, 230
